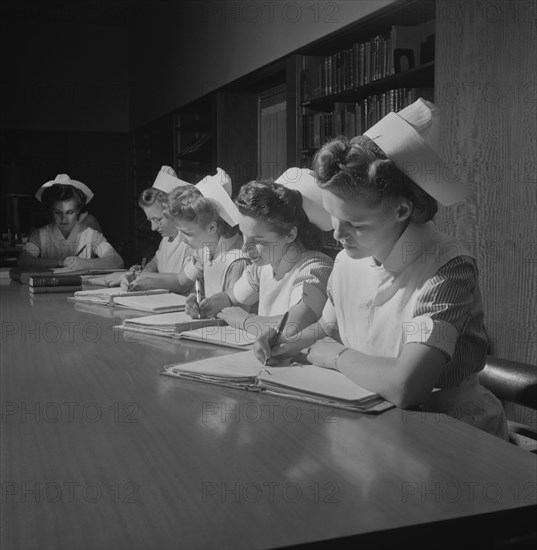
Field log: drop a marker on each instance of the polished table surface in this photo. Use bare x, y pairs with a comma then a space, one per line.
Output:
100, 451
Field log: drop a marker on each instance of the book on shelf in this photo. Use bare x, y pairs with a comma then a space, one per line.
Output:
400, 49
53, 288
23, 274
108, 296
354, 118
169, 325
299, 382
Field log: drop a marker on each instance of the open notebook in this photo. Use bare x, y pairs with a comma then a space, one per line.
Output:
107, 296
179, 325
300, 382
170, 325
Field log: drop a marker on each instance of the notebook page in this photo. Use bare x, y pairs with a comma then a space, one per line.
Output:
225, 335
314, 380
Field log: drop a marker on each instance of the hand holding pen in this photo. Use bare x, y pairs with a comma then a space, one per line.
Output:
199, 295
277, 336
136, 272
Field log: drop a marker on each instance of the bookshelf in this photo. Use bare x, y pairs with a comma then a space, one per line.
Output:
339, 84
352, 79
219, 130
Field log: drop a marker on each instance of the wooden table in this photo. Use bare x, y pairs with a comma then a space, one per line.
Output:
100, 451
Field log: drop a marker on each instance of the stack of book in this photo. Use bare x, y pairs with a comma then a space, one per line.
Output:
42, 284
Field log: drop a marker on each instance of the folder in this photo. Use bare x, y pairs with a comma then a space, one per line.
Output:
152, 301
107, 296
296, 381
221, 335
169, 325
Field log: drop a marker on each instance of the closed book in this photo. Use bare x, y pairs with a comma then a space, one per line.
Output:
61, 280
23, 274
296, 381
49, 289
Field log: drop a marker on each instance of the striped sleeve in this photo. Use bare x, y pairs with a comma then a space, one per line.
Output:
310, 282
445, 306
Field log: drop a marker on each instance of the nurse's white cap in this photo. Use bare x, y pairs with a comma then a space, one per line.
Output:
64, 179
411, 139
218, 188
303, 180
167, 180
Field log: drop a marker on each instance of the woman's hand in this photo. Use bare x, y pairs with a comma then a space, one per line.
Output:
234, 316
209, 307
191, 307
113, 279
144, 282
74, 264
126, 279
286, 349
323, 354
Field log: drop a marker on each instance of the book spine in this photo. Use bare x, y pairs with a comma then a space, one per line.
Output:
67, 280
50, 289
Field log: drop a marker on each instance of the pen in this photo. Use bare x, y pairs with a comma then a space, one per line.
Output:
81, 250
279, 331
198, 296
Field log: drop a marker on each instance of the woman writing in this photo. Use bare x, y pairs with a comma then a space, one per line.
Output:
404, 302
206, 216
287, 273
173, 253
66, 242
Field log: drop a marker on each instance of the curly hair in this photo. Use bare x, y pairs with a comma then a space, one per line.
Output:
61, 192
148, 197
189, 204
280, 208
359, 167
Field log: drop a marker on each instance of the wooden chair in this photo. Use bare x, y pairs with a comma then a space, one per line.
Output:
515, 384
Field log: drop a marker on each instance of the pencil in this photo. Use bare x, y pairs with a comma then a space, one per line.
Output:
279, 331
81, 250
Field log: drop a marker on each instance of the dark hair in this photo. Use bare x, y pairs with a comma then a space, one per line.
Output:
62, 192
280, 208
359, 167
148, 197
189, 204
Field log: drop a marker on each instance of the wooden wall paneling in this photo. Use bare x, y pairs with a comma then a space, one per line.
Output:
486, 74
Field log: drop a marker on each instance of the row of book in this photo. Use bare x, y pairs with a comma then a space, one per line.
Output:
364, 62
352, 119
